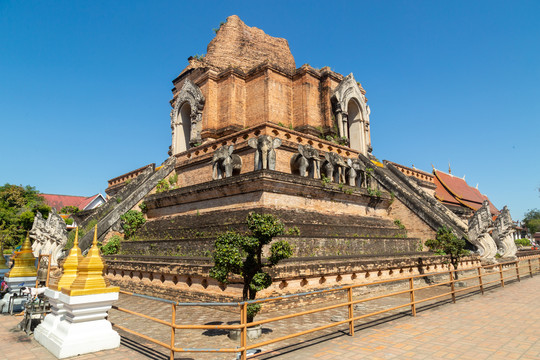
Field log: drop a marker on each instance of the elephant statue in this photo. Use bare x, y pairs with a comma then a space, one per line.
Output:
306, 162
265, 156
335, 167
225, 163
355, 173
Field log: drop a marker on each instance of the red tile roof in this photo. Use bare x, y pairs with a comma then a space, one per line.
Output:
59, 201
455, 190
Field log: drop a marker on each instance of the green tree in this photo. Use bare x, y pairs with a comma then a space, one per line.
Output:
446, 243
70, 209
132, 221
241, 254
532, 220
18, 205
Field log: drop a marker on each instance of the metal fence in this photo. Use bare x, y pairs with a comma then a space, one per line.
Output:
478, 274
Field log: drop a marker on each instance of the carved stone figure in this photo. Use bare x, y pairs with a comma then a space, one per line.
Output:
265, 156
480, 226
306, 162
225, 163
37, 234
502, 234
335, 167
50, 236
355, 172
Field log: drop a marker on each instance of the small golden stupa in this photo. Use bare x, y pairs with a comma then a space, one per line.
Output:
24, 262
70, 266
89, 279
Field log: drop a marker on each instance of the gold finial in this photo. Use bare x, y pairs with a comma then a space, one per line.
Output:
90, 278
73, 259
24, 261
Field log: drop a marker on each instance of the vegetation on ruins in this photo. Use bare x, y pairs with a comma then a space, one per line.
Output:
112, 246
18, 206
241, 254
167, 184
82, 231
532, 220
131, 222
448, 244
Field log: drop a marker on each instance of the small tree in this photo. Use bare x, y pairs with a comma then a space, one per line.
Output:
532, 221
446, 243
70, 209
132, 221
242, 255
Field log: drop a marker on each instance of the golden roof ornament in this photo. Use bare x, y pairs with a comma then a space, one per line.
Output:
24, 261
90, 280
70, 266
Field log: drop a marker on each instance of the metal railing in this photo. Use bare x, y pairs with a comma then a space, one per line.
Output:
480, 272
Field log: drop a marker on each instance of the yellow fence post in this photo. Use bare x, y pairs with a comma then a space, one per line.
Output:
452, 286
173, 322
501, 274
413, 304
243, 338
351, 313
480, 280
530, 267
517, 270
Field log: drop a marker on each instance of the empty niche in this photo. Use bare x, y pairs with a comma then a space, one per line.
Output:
401, 271
222, 286
162, 278
151, 277
339, 278
411, 270
353, 276
283, 284
175, 279
204, 283
379, 274
390, 272
322, 280
140, 275
189, 282
367, 274
122, 273
113, 272
304, 282
275, 132
131, 274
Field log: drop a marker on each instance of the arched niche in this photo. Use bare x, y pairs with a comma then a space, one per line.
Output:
186, 118
352, 114
355, 125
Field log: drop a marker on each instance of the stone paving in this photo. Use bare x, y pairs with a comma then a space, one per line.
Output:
504, 323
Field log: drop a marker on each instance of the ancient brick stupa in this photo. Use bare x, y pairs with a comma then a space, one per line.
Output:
252, 132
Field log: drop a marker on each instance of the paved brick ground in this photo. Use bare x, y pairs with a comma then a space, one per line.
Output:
501, 324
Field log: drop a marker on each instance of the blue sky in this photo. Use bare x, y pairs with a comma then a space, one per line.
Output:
85, 86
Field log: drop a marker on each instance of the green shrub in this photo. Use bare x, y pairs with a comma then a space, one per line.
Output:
132, 221
446, 243
112, 246
522, 242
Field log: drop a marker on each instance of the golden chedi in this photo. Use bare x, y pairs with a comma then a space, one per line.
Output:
24, 262
70, 266
89, 279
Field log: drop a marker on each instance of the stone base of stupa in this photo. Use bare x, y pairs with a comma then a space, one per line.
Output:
83, 328
14, 285
51, 321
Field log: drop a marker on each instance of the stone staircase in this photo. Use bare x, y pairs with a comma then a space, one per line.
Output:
108, 215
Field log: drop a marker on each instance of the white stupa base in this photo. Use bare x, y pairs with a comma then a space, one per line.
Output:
51, 321
82, 328
15, 283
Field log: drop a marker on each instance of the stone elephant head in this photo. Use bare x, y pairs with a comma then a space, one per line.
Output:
355, 172
306, 162
265, 155
335, 167
225, 163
